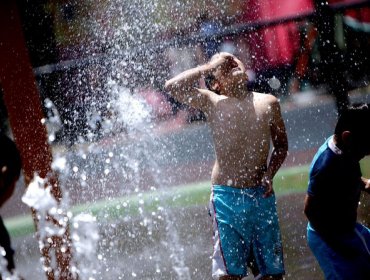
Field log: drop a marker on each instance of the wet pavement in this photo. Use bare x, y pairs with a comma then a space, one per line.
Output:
131, 250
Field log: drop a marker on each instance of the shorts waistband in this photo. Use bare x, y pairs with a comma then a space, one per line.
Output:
248, 191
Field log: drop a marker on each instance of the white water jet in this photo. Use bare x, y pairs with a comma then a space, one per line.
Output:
85, 237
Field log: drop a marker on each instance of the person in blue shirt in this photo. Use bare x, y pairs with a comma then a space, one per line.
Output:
340, 244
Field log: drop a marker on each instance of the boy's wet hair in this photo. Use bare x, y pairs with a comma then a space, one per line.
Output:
10, 160
355, 119
209, 80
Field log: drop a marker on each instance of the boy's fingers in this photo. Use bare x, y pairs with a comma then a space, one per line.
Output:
268, 192
268, 185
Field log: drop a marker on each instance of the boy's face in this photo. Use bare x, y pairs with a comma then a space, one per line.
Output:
364, 147
359, 147
233, 73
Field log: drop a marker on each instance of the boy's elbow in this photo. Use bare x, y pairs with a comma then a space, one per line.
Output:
170, 87
282, 149
286, 151
167, 86
284, 146
283, 153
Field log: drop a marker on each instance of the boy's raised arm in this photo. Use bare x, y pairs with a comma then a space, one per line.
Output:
183, 86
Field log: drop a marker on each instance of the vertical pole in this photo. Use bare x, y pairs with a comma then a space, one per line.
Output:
332, 60
22, 101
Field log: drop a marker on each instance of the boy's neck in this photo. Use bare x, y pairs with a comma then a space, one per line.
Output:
238, 92
338, 143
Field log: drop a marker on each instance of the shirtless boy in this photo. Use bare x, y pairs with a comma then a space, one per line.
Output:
243, 204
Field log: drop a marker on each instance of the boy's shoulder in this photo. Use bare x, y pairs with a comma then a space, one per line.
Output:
264, 97
325, 161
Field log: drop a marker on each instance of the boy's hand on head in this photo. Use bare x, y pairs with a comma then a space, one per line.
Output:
223, 61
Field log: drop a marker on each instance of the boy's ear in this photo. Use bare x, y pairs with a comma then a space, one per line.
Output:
346, 137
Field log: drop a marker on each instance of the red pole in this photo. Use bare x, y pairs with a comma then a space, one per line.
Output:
22, 101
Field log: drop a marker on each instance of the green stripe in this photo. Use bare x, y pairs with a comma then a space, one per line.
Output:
288, 180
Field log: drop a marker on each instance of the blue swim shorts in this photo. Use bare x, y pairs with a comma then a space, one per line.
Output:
245, 223
339, 266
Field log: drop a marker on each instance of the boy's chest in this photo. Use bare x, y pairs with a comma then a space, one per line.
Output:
241, 114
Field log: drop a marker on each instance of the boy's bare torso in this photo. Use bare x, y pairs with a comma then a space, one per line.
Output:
241, 135
243, 123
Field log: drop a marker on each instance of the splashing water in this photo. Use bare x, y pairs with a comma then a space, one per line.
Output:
132, 111
5, 274
136, 115
40, 198
91, 254
85, 237
53, 122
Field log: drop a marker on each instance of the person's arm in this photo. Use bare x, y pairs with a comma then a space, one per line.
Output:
280, 146
183, 87
314, 213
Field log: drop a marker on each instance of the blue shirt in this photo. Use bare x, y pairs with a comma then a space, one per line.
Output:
334, 187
